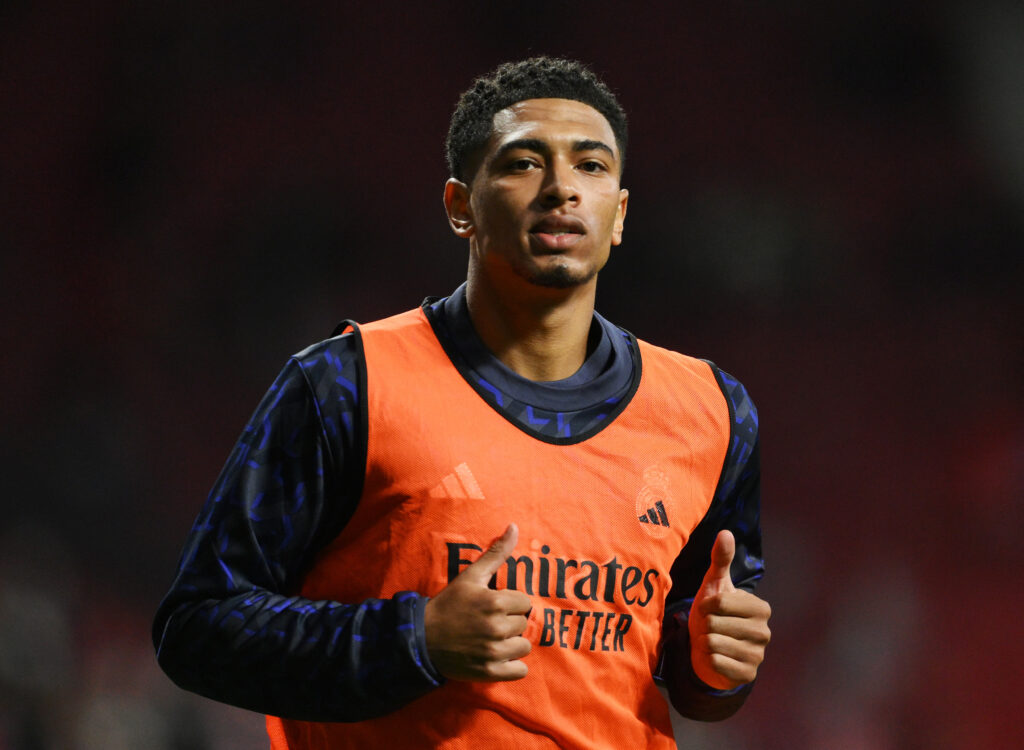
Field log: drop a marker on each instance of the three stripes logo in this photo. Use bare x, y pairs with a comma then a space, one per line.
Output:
656, 515
459, 485
651, 502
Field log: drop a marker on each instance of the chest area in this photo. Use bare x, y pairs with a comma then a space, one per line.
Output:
447, 471
603, 519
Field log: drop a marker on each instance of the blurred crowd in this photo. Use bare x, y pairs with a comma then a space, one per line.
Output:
826, 201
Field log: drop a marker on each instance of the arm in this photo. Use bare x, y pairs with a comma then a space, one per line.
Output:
735, 508
230, 628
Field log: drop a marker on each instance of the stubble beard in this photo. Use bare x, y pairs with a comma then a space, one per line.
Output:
560, 276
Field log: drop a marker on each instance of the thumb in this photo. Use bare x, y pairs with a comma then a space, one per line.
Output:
487, 564
722, 553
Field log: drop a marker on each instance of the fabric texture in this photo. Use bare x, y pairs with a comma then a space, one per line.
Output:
602, 520
235, 625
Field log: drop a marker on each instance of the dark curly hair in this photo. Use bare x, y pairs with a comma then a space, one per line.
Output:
533, 78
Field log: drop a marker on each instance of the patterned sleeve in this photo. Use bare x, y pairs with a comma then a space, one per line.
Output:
231, 628
736, 506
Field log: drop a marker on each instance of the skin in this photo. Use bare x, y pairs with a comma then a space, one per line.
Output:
728, 626
550, 164
541, 213
475, 633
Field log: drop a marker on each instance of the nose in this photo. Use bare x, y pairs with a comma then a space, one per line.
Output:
559, 185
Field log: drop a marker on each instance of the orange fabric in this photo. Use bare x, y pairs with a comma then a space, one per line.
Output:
445, 472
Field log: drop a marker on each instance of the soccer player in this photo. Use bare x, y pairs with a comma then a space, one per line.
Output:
496, 520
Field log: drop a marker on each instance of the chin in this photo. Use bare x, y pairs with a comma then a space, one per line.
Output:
559, 275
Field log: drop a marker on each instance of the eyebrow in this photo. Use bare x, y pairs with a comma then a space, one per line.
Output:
541, 147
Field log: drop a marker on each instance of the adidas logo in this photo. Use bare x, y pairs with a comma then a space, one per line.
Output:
655, 515
651, 503
459, 485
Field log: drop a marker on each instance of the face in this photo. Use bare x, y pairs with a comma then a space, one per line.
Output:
544, 206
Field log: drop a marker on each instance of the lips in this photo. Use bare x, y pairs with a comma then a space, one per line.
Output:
559, 224
558, 232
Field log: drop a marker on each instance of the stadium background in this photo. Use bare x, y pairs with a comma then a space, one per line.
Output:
826, 201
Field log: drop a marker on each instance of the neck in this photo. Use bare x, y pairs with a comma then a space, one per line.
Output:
538, 333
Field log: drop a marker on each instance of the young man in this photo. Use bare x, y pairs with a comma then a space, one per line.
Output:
495, 520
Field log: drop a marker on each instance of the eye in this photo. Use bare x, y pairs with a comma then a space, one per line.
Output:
592, 165
522, 164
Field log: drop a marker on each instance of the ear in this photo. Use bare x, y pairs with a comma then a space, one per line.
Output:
456, 205
620, 217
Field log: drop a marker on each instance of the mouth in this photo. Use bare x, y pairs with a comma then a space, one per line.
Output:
558, 232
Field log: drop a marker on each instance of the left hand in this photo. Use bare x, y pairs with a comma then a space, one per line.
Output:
728, 626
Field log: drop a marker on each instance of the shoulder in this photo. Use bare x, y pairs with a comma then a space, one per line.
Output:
331, 368
676, 363
696, 375
741, 405
715, 385
328, 355
335, 367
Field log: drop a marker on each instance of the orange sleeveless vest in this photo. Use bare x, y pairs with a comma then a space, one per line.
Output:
601, 522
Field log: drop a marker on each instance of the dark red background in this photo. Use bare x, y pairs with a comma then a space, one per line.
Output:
826, 202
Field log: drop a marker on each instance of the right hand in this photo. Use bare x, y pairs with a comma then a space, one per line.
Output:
473, 632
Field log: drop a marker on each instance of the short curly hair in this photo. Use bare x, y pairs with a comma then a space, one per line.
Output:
533, 78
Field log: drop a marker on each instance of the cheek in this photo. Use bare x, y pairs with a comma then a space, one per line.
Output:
494, 213
611, 217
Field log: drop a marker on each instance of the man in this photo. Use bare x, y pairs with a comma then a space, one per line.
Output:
495, 520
